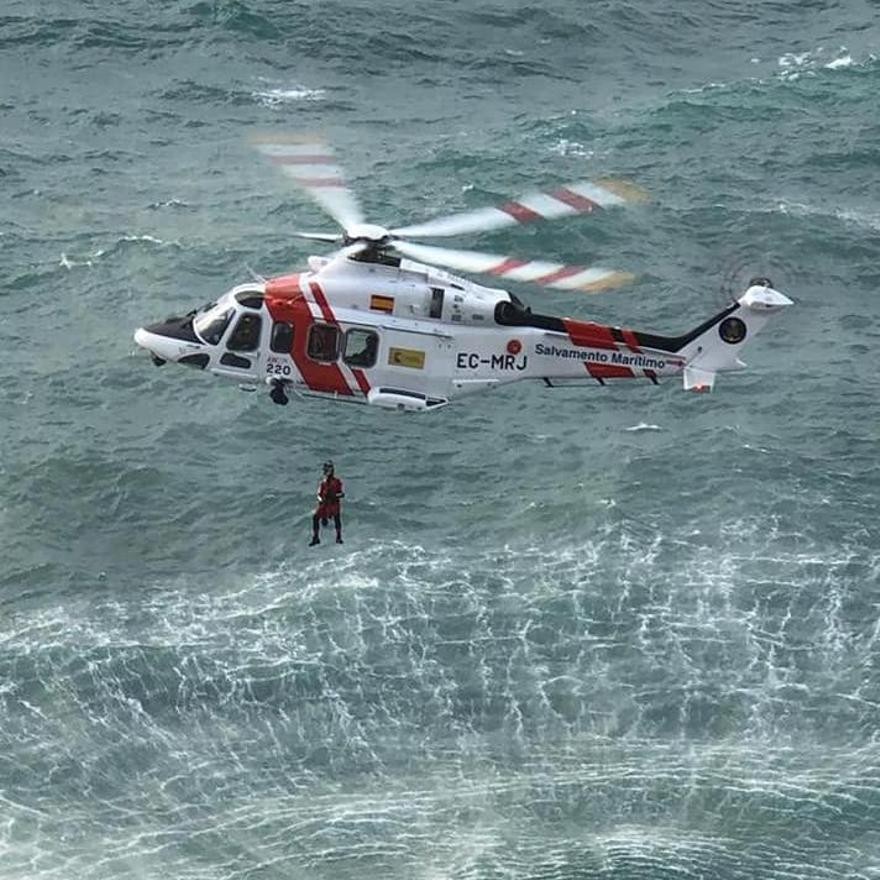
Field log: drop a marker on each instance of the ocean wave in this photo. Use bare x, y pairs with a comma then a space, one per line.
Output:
611, 632
790, 67
531, 612
793, 65
866, 220
72, 260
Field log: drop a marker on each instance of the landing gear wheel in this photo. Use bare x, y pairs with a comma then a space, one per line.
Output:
278, 394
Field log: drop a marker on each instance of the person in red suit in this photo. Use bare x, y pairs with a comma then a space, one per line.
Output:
329, 495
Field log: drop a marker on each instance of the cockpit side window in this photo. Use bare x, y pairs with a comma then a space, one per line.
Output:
361, 348
323, 342
211, 326
246, 335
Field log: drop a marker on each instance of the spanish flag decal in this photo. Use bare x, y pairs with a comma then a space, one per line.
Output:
382, 303
406, 357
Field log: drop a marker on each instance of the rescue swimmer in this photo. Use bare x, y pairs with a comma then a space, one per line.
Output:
330, 494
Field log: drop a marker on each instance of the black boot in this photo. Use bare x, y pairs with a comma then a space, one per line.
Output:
315, 540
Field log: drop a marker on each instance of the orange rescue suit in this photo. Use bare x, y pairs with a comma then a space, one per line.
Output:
329, 493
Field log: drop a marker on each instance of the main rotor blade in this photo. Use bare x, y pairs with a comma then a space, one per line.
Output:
558, 275
582, 197
310, 163
319, 236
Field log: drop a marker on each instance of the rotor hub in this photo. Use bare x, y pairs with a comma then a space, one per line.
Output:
368, 232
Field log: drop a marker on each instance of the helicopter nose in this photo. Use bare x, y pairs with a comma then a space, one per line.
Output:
163, 348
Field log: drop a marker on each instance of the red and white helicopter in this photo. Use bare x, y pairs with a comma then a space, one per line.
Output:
369, 325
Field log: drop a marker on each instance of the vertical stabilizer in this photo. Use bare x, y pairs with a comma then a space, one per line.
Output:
717, 347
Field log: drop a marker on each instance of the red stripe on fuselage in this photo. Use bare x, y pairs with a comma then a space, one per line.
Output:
608, 371
285, 302
589, 334
321, 300
361, 379
630, 339
359, 375
280, 287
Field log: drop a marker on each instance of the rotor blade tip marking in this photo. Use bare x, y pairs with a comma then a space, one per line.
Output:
506, 266
520, 212
624, 189
559, 274
610, 281
574, 200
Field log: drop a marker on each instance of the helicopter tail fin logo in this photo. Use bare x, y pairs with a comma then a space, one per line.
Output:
714, 347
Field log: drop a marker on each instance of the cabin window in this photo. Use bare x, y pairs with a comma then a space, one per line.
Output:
436, 302
323, 342
246, 335
281, 340
361, 348
212, 325
195, 360
233, 360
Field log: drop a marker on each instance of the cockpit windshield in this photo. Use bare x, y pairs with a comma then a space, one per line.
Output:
211, 325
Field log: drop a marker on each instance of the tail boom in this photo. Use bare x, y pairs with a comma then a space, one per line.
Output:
618, 353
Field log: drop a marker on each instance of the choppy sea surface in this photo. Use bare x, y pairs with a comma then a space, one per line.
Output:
618, 632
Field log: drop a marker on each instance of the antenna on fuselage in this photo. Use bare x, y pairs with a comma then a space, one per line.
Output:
255, 275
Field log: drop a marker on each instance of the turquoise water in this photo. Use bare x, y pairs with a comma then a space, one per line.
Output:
604, 632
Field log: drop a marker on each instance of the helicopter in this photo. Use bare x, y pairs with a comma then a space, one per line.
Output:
378, 322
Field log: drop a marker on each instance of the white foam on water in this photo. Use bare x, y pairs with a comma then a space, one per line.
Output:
148, 238
170, 203
844, 61
643, 426
278, 96
793, 65
853, 216
565, 147
68, 263
866, 220
359, 653
708, 87
792, 59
